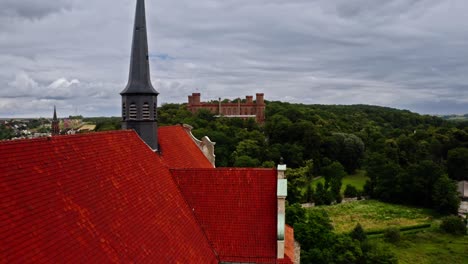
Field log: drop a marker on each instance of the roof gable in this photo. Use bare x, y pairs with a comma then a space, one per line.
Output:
179, 150
236, 208
102, 197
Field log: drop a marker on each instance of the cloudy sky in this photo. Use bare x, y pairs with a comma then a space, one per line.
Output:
410, 54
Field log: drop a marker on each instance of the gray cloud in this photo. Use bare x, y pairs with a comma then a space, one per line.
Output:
400, 53
32, 9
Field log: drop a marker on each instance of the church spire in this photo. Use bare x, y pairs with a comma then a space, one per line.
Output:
55, 114
55, 124
139, 98
139, 81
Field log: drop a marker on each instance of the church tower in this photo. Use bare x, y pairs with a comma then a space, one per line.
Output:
55, 124
139, 98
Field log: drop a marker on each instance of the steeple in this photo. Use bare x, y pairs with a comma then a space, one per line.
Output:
139, 81
139, 98
55, 124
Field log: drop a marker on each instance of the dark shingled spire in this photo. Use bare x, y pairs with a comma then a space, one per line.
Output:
55, 114
139, 81
139, 98
55, 124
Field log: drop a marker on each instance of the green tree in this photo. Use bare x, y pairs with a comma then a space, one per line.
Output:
294, 214
348, 149
358, 233
350, 191
322, 195
457, 164
334, 174
445, 196
453, 225
392, 235
246, 162
418, 182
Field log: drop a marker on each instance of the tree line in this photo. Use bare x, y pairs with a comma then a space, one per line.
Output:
409, 158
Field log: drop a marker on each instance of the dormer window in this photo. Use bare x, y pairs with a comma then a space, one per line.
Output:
132, 115
145, 111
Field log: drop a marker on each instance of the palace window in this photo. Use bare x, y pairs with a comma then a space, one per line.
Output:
132, 115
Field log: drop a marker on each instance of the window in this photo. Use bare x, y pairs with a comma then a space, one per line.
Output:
132, 111
145, 111
124, 111
155, 111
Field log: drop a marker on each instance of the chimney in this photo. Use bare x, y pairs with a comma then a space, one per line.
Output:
249, 99
282, 192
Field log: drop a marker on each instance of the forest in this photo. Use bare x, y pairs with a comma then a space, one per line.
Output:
409, 158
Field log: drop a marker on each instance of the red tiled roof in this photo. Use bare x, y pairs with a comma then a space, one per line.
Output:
179, 150
289, 243
94, 198
237, 209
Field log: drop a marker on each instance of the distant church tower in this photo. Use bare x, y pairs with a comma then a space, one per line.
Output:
139, 98
55, 124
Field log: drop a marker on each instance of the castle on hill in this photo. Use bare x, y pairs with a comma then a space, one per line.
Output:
144, 194
247, 109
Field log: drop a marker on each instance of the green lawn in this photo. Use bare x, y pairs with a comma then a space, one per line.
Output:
425, 246
375, 215
357, 180
431, 247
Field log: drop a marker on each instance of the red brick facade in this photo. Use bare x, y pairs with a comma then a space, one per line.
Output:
248, 109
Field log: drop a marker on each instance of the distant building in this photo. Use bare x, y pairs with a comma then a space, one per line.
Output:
55, 124
248, 109
87, 128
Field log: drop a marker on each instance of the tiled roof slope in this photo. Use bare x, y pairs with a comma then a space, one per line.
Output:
94, 198
179, 150
289, 243
237, 210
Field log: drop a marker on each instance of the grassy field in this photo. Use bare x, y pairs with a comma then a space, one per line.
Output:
357, 180
431, 247
374, 215
426, 246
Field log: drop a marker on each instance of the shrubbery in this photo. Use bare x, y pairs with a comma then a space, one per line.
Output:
392, 235
350, 191
453, 225
358, 233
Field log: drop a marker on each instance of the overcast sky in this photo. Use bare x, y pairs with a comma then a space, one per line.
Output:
410, 54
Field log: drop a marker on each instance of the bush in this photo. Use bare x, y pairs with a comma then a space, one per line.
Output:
376, 253
350, 191
358, 233
453, 225
392, 235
